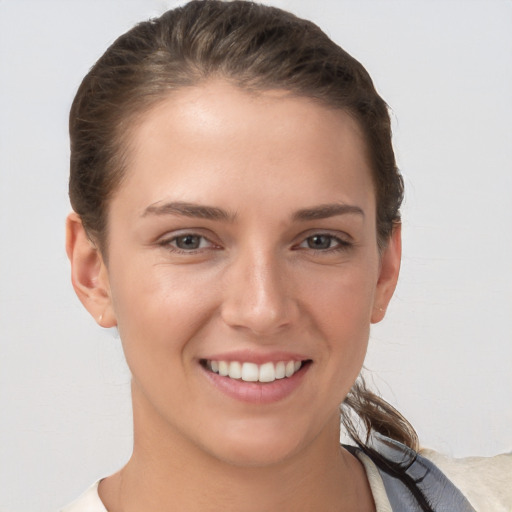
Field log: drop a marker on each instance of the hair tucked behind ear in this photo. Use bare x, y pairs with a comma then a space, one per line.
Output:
256, 47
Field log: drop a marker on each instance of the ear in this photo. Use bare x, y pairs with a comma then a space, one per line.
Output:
89, 274
388, 275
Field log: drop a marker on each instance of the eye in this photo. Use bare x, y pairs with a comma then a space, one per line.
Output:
324, 242
319, 242
187, 242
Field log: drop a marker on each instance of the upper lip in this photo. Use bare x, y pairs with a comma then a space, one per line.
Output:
256, 357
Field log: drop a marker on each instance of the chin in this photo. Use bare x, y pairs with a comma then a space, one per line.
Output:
253, 446
256, 455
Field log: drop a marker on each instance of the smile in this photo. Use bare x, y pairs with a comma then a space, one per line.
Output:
252, 372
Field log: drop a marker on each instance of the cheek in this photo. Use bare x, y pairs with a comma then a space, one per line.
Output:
342, 309
342, 298
158, 311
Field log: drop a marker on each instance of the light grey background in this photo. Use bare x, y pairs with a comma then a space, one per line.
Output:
444, 353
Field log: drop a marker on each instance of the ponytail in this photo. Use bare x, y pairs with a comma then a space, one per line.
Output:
363, 410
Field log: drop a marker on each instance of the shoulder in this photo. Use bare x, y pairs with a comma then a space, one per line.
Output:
89, 501
485, 481
427, 480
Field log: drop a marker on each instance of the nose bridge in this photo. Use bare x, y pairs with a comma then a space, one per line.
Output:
257, 297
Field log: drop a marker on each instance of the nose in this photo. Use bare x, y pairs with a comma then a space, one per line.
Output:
257, 296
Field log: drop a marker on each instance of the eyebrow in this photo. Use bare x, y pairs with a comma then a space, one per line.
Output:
185, 209
190, 210
325, 211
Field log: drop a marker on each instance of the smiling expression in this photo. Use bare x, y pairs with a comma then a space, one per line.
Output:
243, 269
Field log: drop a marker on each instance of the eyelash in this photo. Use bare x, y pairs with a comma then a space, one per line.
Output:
341, 244
168, 243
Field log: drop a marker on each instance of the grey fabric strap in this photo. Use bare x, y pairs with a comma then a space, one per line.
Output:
439, 491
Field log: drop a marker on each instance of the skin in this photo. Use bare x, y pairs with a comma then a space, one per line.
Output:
256, 283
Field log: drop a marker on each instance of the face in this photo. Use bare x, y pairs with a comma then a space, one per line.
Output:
243, 242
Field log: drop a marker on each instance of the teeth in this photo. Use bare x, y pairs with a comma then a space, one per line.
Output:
251, 372
267, 372
235, 370
223, 368
280, 370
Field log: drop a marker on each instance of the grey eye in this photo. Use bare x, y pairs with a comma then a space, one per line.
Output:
319, 242
189, 242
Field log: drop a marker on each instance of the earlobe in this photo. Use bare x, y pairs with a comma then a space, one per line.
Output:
88, 273
388, 275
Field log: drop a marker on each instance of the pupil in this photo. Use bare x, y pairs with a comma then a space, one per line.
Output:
188, 242
319, 242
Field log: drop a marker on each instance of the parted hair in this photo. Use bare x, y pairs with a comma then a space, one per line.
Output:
257, 48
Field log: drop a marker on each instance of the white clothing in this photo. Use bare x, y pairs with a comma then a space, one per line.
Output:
485, 481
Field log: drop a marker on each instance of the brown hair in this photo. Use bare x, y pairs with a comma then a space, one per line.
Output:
256, 47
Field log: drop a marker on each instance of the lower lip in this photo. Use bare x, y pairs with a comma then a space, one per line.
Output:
257, 392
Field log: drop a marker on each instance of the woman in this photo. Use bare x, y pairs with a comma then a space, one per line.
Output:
236, 217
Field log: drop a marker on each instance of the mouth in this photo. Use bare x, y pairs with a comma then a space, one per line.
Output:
251, 372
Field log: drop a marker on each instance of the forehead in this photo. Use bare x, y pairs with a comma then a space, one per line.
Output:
219, 103
250, 140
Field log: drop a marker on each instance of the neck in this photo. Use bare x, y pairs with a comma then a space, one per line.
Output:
167, 473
